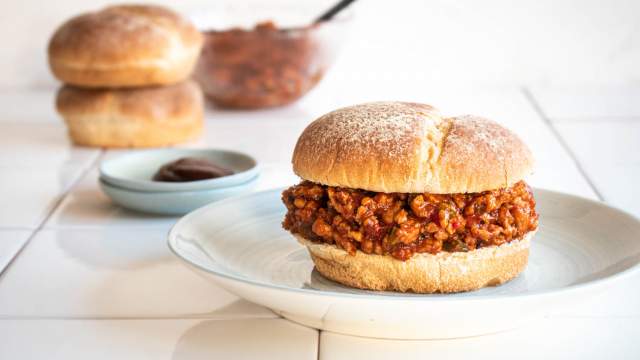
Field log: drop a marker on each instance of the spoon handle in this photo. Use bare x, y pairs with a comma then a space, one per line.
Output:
333, 11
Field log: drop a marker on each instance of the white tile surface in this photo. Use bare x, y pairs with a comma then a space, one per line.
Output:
187, 339
589, 103
29, 194
37, 145
266, 139
29, 105
606, 142
86, 206
561, 178
608, 152
38, 164
10, 243
111, 272
557, 338
248, 339
615, 182
276, 175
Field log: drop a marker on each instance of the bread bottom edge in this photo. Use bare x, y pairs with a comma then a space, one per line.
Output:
423, 273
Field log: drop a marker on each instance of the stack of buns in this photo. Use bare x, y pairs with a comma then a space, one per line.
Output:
126, 71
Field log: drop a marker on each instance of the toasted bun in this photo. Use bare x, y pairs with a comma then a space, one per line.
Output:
423, 273
143, 117
409, 148
126, 45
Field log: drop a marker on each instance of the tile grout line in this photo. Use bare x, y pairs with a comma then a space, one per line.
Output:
53, 209
140, 228
135, 318
590, 119
538, 109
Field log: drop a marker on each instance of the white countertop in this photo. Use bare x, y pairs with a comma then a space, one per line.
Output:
82, 278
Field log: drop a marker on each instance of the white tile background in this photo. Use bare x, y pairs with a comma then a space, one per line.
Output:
565, 338
441, 41
177, 339
97, 281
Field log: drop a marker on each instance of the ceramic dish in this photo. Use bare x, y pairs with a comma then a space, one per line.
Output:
174, 202
581, 247
135, 171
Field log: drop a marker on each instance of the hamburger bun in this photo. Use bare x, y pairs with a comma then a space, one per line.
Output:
409, 148
141, 117
125, 46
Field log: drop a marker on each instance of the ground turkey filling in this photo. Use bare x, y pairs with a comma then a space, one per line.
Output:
403, 224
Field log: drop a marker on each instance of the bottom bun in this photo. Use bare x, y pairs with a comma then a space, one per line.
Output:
132, 117
423, 273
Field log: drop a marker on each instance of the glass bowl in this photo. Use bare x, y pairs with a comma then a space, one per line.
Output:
265, 65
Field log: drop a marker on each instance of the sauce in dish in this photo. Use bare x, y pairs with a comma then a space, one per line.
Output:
190, 169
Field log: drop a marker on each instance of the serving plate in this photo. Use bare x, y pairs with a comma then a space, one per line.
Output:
581, 247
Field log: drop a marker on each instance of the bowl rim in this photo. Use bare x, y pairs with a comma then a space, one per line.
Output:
344, 17
152, 186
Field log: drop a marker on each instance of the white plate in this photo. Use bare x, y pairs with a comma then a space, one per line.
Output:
581, 246
135, 171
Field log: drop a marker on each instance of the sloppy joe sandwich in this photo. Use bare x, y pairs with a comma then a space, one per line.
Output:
396, 197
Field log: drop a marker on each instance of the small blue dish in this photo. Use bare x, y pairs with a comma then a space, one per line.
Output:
135, 171
171, 202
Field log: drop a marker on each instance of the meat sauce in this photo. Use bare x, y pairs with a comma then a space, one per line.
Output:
263, 67
401, 225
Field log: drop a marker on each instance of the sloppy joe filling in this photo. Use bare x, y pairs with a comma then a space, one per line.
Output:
401, 225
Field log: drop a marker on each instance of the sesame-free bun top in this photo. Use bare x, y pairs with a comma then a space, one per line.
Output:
409, 148
125, 45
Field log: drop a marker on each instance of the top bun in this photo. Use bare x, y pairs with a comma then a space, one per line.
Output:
409, 148
127, 45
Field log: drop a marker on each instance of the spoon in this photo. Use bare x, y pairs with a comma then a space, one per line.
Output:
329, 14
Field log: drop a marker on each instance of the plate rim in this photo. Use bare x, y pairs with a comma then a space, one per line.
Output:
172, 236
